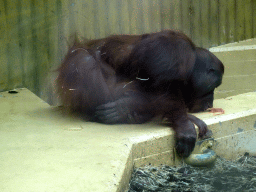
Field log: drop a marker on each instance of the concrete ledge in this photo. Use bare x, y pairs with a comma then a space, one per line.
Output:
44, 149
240, 72
236, 46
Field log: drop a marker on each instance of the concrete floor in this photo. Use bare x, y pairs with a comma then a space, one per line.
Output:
44, 149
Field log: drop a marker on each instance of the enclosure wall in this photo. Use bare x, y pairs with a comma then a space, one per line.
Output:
34, 33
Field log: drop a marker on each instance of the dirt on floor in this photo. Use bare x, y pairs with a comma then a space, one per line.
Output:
234, 176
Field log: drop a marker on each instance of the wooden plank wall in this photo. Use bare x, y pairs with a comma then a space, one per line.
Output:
34, 33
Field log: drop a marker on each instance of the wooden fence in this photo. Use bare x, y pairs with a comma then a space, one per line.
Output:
34, 33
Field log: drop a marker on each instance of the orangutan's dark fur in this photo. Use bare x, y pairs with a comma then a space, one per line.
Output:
133, 78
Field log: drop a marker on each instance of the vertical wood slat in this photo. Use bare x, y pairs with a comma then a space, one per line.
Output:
61, 30
48, 87
100, 18
89, 15
155, 16
3, 55
79, 17
102, 21
239, 27
213, 21
124, 11
205, 10
118, 6
35, 70
231, 20
248, 19
27, 58
104, 18
222, 22
71, 19
133, 16
52, 34
13, 46
139, 19
166, 11
175, 15
185, 17
42, 62
146, 16
196, 22
254, 18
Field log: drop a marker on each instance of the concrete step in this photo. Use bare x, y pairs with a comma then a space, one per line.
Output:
44, 149
239, 60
